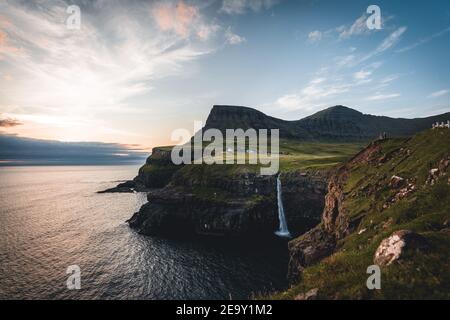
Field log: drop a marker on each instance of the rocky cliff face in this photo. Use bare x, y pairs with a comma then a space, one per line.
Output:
158, 169
388, 205
321, 241
155, 173
201, 201
303, 198
177, 212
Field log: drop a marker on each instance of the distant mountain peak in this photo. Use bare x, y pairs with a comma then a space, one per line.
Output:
337, 123
337, 112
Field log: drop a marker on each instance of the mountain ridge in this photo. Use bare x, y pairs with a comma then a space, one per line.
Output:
337, 123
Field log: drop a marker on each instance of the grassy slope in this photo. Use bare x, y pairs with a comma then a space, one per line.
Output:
294, 155
315, 155
427, 211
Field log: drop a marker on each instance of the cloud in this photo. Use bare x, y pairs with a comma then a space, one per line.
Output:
315, 93
357, 28
90, 73
424, 40
367, 71
2, 38
327, 87
389, 42
242, 6
5, 46
15, 150
439, 93
233, 38
378, 97
205, 31
389, 78
180, 18
9, 122
345, 61
363, 74
314, 36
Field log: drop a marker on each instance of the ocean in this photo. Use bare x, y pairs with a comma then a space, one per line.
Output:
51, 218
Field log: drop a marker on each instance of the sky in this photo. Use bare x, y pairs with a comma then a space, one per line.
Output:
137, 70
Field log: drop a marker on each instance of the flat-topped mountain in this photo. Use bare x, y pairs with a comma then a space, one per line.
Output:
336, 123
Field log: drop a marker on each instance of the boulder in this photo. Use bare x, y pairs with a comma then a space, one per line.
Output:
395, 246
396, 182
310, 295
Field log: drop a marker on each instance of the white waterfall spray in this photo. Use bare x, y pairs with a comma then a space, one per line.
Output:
283, 230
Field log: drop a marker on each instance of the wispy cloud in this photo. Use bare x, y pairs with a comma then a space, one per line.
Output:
5, 46
242, 6
233, 38
389, 78
378, 97
9, 122
175, 17
358, 27
389, 42
363, 74
318, 92
314, 36
439, 93
424, 40
115, 56
183, 19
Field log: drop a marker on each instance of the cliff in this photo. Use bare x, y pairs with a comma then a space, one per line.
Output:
234, 201
155, 173
333, 126
389, 205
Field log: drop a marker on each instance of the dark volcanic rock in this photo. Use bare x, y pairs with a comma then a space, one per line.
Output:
240, 204
155, 173
303, 199
124, 187
309, 249
320, 242
174, 212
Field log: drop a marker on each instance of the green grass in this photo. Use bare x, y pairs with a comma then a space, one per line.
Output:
421, 275
293, 156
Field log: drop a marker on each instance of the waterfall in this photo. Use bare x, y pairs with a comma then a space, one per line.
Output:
283, 228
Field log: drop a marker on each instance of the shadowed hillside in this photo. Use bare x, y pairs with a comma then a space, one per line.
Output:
336, 123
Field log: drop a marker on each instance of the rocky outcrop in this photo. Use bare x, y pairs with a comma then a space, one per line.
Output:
321, 241
243, 184
358, 229
309, 295
176, 212
126, 187
308, 249
303, 199
242, 204
155, 173
439, 171
335, 216
397, 245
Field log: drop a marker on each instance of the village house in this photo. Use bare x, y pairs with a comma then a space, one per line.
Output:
441, 125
